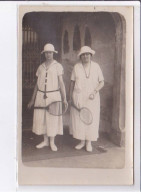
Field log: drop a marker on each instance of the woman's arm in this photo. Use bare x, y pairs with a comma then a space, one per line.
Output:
71, 90
62, 87
31, 103
101, 84
63, 90
97, 89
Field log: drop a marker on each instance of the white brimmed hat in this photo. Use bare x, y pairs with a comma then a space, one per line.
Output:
49, 47
86, 49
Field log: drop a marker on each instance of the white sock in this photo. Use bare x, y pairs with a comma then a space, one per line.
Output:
46, 139
52, 145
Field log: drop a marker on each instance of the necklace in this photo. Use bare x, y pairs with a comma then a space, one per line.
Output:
87, 75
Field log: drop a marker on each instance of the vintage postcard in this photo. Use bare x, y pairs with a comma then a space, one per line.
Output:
75, 95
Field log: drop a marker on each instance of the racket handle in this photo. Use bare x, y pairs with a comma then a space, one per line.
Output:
39, 107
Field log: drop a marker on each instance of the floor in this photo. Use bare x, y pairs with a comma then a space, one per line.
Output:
105, 154
114, 158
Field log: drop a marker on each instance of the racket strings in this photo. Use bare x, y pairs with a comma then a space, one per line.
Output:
86, 116
56, 108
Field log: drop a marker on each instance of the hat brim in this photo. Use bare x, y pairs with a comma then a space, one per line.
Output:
91, 52
49, 51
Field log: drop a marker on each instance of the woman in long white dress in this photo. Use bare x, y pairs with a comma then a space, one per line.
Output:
86, 82
48, 87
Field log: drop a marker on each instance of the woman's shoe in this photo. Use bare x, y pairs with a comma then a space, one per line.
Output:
80, 146
53, 147
42, 144
89, 147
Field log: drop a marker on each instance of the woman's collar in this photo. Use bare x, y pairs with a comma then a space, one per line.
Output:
89, 62
53, 62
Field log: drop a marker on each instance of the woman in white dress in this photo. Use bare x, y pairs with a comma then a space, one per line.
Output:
48, 87
86, 82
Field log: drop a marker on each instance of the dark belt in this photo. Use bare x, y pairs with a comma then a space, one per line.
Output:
45, 96
48, 91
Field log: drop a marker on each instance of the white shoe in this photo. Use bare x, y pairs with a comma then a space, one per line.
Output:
89, 147
42, 144
53, 147
79, 146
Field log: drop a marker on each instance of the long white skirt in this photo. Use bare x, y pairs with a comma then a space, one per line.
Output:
43, 122
78, 129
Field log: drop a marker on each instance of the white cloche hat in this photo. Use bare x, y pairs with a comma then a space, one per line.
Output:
86, 49
49, 47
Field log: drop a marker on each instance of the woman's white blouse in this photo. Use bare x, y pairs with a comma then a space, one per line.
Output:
52, 72
78, 75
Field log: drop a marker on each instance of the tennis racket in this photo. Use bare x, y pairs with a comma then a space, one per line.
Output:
84, 114
56, 108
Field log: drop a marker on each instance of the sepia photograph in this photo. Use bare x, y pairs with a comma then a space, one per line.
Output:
75, 94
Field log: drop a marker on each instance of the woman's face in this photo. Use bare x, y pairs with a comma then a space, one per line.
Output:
85, 58
49, 55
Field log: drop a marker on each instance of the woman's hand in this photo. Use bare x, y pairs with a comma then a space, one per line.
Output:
30, 104
92, 95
